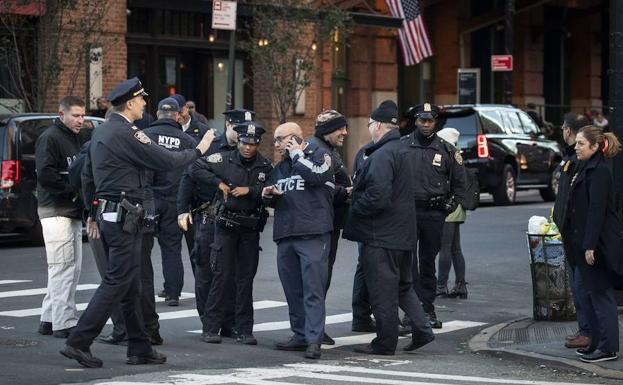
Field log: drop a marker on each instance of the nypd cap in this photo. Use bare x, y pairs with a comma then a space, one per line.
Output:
239, 115
249, 132
424, 111
168, 105
126, 90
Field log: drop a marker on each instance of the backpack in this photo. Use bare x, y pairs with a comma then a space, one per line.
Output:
472, 189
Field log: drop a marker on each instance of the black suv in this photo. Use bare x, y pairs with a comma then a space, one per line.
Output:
506, 147
18, 186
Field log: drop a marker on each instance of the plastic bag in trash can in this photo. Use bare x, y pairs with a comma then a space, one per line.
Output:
538, 225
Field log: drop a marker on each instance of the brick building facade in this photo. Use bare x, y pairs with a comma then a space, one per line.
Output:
560, 54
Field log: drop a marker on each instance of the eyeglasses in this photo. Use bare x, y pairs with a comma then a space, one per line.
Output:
279, 139
371, 123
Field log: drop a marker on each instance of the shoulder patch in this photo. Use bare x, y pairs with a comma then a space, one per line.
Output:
215, 158
327, 159
458, 157
141, 137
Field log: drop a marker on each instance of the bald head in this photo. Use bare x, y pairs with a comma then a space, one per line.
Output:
287, 129
283, 133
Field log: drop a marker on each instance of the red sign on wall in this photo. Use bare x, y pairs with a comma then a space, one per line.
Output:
501, 62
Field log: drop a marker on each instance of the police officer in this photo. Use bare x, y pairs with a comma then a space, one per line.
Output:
240, 176
118, 156
301, 191
439, 188
167, 132
192, 201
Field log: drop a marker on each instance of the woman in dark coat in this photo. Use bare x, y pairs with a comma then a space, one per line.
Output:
593, 234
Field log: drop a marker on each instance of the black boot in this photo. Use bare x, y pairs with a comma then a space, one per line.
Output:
459, 290
442, 291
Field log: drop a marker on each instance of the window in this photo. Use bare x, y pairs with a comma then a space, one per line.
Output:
491, 122
512, 122
529, 126
30, 131
465, 124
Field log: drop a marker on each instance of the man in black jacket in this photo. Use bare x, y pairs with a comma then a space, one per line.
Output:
329, 135
439, 188
167, 133
60, 213
383, 219
567, 169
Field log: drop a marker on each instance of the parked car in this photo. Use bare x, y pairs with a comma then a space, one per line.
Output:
18, 184
507, 148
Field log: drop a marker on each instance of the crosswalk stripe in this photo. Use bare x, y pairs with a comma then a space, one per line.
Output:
448, 327
39, 291
333, 373
79, 306
258, 305
283, 325
9, 281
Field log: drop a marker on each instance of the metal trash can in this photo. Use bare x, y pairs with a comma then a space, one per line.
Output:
551, 284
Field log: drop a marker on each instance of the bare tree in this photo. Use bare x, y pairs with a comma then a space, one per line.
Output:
282, 40
36, 50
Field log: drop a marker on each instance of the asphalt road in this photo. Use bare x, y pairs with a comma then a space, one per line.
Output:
498, 273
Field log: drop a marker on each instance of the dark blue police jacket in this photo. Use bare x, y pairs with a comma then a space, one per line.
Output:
307, 183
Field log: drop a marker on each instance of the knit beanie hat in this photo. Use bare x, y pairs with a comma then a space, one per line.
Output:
329, 121
387, 112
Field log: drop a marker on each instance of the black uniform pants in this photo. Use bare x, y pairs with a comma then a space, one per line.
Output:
388, 276
429, 232
101, 261
170, 241
148, 299
234, 259
362, 311
121, 283
204, 238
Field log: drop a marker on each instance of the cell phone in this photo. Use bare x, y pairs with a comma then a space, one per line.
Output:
297, 139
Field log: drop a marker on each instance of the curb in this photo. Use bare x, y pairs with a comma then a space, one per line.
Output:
479, 343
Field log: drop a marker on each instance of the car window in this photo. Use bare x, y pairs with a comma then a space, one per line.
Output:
512, 122
30, 131
464, 123
529, 127
491, 122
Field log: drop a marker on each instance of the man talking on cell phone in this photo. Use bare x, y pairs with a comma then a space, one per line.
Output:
301, 190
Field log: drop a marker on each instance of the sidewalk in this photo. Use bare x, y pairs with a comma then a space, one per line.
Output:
542, 340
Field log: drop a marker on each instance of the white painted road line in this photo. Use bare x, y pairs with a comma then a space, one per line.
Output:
43, 290
448, 327
297, 374
79, 306
444, 377
193, 313
259, 305
9, 281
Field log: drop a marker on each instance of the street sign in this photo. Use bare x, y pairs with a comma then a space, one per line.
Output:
224, 15
501, 62
468, 85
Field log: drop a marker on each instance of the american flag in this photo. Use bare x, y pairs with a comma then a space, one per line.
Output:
414, 41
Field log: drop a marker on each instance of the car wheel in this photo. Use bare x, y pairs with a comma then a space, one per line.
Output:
506, 192
549, 194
